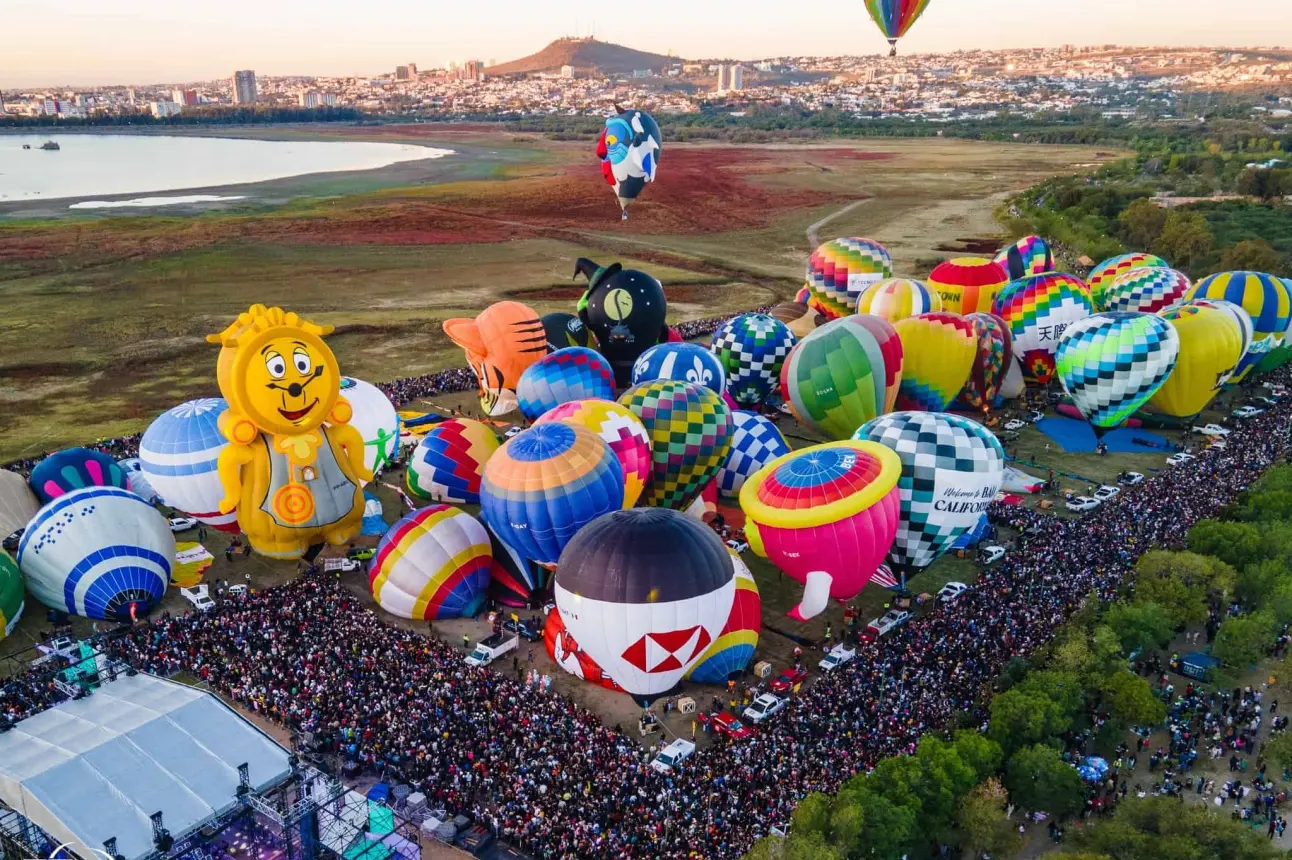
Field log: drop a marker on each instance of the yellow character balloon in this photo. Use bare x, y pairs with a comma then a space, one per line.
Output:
294, 464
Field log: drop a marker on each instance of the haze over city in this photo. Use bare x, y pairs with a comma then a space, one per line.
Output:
145, 41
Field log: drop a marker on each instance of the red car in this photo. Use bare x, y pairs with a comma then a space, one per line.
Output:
726, 724
788, 681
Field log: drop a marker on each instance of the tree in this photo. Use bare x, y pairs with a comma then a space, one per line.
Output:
1236, 544
1160, 828
1244, 640
983, 824
1184, 238
979, 752
1130, 700
1140, 625
1279, 603
1179, 582
1264, 183
930, 782
1020, 717
1279, 749
1253, 255
1142, 222
1257, 582
1039, 779
811, 846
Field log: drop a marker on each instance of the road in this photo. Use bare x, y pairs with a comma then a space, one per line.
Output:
813, 230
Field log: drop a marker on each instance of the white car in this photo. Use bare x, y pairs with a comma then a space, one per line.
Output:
766, 705
513, 431
1034, 416
1178, 459
238, 590
1211, 430
1081, 504
673, 755
1130, 479
182, 524
738, 545
951, 592
1015, 424
992, 554
199, 596
888, 622
1247, 412
1107, 493
838, 655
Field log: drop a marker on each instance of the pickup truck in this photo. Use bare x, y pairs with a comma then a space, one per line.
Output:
1211, 430
491, 648
673, 755
838, 655
199, 596
343, 565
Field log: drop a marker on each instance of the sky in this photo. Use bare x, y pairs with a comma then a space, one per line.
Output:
86, 42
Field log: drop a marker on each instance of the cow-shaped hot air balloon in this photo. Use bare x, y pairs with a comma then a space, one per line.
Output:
690, 432
734, 648
968, 285
500, 343
898, 298
1104, 273
625, 310
433, 563
1030, 255
1148, 290
1112, 363
993, 360
619, 428
843, 374
937, 356
1037, 309
567, 375
1267, 302
752, 348
645, 592
1211, 345
629, 149
449, 462
686, 362
755, 442
840, 270
826, 515
73, 469
179, 455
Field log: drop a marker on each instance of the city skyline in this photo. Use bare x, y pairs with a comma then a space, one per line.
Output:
152, 41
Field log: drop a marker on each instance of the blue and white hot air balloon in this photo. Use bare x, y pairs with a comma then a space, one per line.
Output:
684, 362
755, 442
178, 455
98, 552
564, 376
138, 481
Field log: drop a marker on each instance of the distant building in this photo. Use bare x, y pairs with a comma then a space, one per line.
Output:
641, 73
731, 78
244, 87
49, 107
130, 96
161, 110
472, 70
405, 73
184, 97
327, 99
567, 71
308, 99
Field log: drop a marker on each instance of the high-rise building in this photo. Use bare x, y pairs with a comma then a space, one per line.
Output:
731, 78
327, 99
244, 87
309, 99
162, 110
184, 97
473, 70
402, 73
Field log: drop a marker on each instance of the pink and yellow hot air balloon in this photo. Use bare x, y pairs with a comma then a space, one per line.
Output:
938, 352
826, 515
898, 298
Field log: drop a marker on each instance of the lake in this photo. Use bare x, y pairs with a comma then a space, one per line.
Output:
91, 165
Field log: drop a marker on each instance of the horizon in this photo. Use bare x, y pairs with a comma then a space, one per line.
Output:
135, 45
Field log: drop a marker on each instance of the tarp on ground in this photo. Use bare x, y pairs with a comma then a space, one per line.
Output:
374, 522
1018, 481
974, 536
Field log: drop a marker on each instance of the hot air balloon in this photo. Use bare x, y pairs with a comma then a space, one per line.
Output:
690, 433
898, 298
619, 428
376, 420
1211, 345
625, 311
895, 17
545, 484
797, 317
752, 348
1030, 255
1241, 318
500, 343
564, 329
842, 375
840, 270
1102, 275
1279, 355
755, 442
449, 462
938, 353
13, 595
951, 470
98, 552
1147, 289
967, 285
734, 648
1266, 300
567, 375
137, 482
1014, 385
687, 362
1112, 363
826, 515
513, 579
993, 358
433, 563
629, 149
566, 652
1037, 309
179, 455
645, 592
73, 469
18, 504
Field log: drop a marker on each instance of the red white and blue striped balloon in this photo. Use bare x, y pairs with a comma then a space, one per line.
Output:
433, 563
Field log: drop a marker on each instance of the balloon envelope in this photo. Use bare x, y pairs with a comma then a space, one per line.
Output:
73, 469
685, 362
18, 504
629, 148
1030, 255
567, 375
938, 353
895, 17
376, 420
513, 579
843, 374
1147, 289
626, 311
138, 481
500, 343
1266, 300
564, 329
690, 432
178, 455
968, 285
734, 648
752, 348
840, 270
449, 463
1103, 274
755, 442
433, 563
1037, 309
13, 595
619, 428
1211, 344
898, 298
993, 359
1112, 363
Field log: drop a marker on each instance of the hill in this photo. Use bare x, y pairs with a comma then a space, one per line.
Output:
584, 55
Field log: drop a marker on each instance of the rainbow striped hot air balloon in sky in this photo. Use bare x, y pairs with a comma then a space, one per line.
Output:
840, 270
434, 563
895, 17
1266, 300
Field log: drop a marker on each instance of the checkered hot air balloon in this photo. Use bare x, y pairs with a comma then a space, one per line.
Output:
1037, 309
687, 362
448, 463
840, 270
898, 298
734, 648
1266, 300
1148, 290
1112, 363
968, 285
1030, 255
1103, 274
952, 468
564, 376
755, 442
433, 563
937, 356
619, 428
178, 454
752, 348
690, 433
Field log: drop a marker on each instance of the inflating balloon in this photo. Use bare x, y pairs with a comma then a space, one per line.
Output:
294, 465
13, 595
1037, 309
1266, 300
798, 318
898, 298
938, 354
1147, 289
545, 484
625, 311
1112, 363
564, 329
733, 650
843, 374
619, 428
376, 420
567, 375
1281, 354
500, 343
993, 359
513, 579
826, 515
565, 652
690, 433
179, 455
686, 362
752, 348
433, 563
645, 592
137, 482
755, 442
968, 285
895, 17
1030, 255
839, 271
1103, 274
629, 149
18, 504
73, 469
449, 463
951, 470
98, 552
1014, 385
1211, 345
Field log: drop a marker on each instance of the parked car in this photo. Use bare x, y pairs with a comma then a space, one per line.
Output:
1130, 479
1212, 429
361, 553
1107, 493
1247, 412
951, 592
838, 655
1015, 424
992, 554
723, 723
11, 542
199, 596
763, 707
529, 629
788, 681
1268, 401
888, 622
341, 565
513, 431
1177, 459
182, 524
491, 648
673, 755
1034, 416
1081, 504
